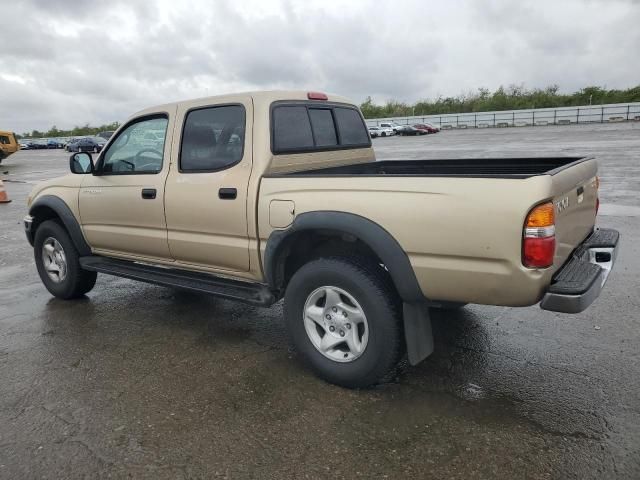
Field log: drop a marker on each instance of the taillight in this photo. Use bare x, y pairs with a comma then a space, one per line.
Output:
539, 237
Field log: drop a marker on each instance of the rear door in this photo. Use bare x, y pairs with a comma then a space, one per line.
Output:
121, 206
206, 190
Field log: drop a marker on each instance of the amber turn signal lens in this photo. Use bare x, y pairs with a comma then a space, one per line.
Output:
541, 216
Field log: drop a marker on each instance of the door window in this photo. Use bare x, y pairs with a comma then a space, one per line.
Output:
212, 139
138, 149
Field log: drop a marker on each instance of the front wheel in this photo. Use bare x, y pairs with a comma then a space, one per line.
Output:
58, 262
343, 317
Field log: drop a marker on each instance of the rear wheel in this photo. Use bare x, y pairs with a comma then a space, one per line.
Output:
58, 262
343, 318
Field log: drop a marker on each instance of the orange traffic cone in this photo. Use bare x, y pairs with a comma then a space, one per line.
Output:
4, 198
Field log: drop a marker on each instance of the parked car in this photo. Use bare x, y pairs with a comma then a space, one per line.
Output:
38, 145
393, 126
300, 210
409, 130
70, 144
24, 145
385, 131
374, 131
426, 127
54, 143
88, 144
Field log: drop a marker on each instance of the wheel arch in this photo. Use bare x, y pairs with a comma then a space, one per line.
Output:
49, 207
281, 243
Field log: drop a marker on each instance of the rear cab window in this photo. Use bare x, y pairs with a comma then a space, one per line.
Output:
299, 127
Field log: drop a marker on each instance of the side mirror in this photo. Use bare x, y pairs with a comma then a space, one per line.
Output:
81, 162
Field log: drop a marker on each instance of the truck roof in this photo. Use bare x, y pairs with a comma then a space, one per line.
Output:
259, 97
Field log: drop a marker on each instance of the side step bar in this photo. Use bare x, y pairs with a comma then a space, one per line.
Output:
247, 292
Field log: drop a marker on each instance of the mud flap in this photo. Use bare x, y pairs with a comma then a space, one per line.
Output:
417, 331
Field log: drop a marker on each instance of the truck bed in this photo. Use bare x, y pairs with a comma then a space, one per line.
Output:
477, 167
460, 222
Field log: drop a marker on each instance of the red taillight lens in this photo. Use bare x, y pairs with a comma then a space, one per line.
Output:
539, 237
317, 96
538, 252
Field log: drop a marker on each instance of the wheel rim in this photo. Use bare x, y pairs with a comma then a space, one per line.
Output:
336, 324
54, 260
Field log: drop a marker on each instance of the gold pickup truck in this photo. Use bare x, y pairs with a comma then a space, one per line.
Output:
262, 196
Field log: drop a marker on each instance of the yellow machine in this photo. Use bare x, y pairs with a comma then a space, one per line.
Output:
8, 144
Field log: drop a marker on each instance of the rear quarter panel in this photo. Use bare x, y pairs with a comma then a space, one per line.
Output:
463, 236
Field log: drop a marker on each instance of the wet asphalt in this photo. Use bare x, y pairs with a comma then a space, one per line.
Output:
143, 381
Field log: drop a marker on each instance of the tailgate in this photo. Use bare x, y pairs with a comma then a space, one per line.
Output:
575, 193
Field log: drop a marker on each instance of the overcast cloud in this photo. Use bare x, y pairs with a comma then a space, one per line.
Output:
69, 62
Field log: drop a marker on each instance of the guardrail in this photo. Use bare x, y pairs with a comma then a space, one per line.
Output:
619, 112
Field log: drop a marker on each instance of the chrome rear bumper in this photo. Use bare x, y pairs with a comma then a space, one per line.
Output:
580, 280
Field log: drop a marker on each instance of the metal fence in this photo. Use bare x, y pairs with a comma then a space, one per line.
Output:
619, 112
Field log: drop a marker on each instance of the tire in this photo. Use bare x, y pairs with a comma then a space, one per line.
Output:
76, 281
383, 134
367, 284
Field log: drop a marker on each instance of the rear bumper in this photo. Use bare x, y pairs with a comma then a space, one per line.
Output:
581, 279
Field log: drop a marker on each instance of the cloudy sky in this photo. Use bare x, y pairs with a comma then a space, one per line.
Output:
71, 62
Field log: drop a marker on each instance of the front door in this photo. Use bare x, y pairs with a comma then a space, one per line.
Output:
122, 204
206, 191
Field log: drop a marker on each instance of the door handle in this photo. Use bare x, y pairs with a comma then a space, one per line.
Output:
148, 193
227, 193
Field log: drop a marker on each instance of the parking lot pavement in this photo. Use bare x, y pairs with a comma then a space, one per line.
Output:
144, 381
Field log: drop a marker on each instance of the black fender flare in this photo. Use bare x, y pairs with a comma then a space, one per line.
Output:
383, 244
67, 217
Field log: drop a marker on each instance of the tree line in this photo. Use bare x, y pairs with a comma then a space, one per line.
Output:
513, 97
76, 131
